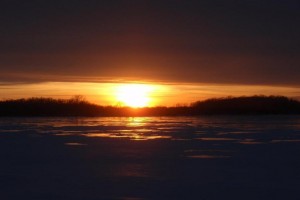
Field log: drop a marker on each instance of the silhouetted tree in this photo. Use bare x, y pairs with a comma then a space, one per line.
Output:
78, 106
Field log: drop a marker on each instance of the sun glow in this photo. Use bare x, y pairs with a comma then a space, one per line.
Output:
134, 95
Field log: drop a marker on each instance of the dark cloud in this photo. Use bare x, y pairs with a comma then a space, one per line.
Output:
249, 42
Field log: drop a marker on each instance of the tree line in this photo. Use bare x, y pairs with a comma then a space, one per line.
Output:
78, 106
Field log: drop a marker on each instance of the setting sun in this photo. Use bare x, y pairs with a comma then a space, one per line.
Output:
134, 95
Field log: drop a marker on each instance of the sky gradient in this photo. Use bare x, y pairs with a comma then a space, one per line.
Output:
247, 43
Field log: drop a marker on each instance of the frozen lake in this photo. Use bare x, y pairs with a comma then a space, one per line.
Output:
218, 157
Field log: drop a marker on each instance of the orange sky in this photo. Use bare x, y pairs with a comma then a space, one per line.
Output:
188, 50
167, 94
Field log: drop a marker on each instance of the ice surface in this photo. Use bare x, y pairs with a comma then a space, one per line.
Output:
228, 157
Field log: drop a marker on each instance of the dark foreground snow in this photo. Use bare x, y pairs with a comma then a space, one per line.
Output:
225, 157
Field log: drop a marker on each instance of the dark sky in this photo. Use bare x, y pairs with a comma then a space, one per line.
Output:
241, 41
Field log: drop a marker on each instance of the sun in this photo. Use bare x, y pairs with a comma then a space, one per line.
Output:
134, 95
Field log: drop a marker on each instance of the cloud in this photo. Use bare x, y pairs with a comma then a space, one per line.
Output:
248, 42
